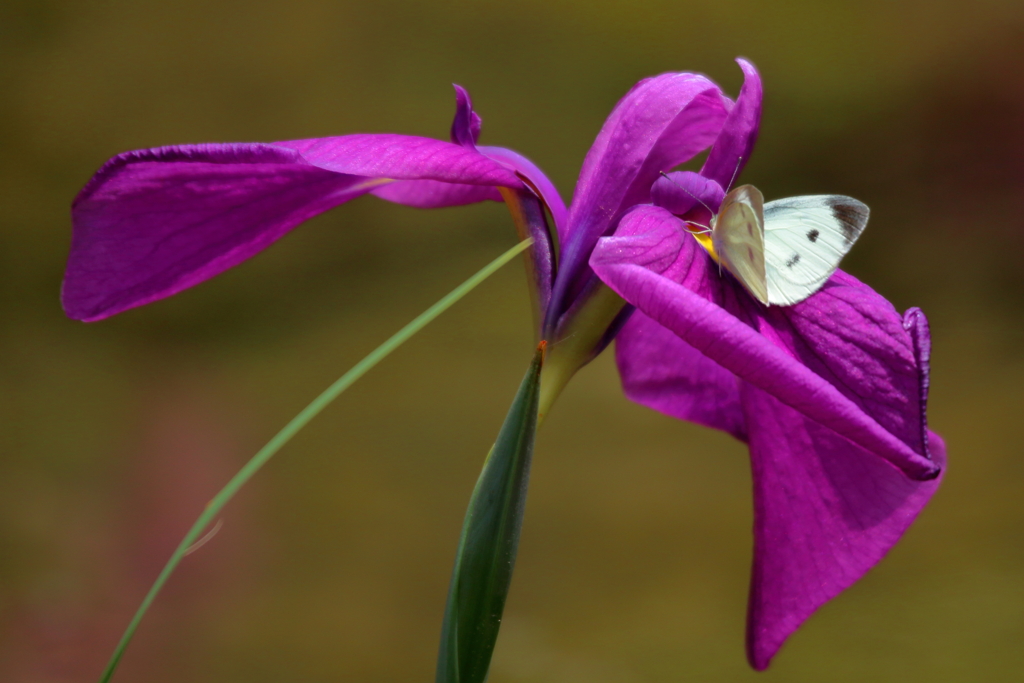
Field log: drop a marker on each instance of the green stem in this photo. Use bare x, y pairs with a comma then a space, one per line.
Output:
218, 502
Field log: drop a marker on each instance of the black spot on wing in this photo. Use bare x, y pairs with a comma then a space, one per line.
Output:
793, 260
813, 235
851, 215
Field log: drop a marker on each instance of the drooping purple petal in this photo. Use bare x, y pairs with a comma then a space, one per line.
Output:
825, 512
856, 341
661, 123
739, 133
154, 222
467, 123
820, 390
661, 371
873, 400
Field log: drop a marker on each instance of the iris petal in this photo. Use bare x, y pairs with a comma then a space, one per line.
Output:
656, 265
662, 122
154, 222
732, 149
661, 371
825, 512
819, 390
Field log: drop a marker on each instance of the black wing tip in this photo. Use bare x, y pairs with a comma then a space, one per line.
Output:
851, 214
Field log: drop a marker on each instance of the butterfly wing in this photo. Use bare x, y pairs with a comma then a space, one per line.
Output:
738, 238
805, 238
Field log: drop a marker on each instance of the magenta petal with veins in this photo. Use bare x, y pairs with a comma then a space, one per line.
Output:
830, 394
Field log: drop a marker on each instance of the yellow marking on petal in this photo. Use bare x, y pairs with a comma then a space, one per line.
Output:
374, 182
704, 238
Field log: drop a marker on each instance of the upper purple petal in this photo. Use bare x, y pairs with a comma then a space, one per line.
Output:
153, 222
735, 143
843, 360
661, 123
688, 195
467, 123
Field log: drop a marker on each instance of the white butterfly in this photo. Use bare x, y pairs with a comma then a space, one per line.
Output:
785, 250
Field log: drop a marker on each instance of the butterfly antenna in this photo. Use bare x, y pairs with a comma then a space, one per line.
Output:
689, 193
735, 173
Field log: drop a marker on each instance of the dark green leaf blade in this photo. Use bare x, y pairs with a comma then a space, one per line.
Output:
490, 538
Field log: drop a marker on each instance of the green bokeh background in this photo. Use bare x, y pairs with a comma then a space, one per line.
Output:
333, 566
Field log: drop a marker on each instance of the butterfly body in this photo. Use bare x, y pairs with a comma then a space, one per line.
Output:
784, 251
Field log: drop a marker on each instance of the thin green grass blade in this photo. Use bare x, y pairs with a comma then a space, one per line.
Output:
490, 539
218, 502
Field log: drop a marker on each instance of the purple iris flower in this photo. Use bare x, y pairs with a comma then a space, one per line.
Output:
829, 393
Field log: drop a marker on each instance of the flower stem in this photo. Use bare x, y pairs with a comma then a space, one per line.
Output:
218, 502
578, 343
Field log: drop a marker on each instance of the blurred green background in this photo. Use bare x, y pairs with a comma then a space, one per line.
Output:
333, 565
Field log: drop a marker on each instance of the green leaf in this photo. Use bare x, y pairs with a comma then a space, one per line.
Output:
490, 538
222, 498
